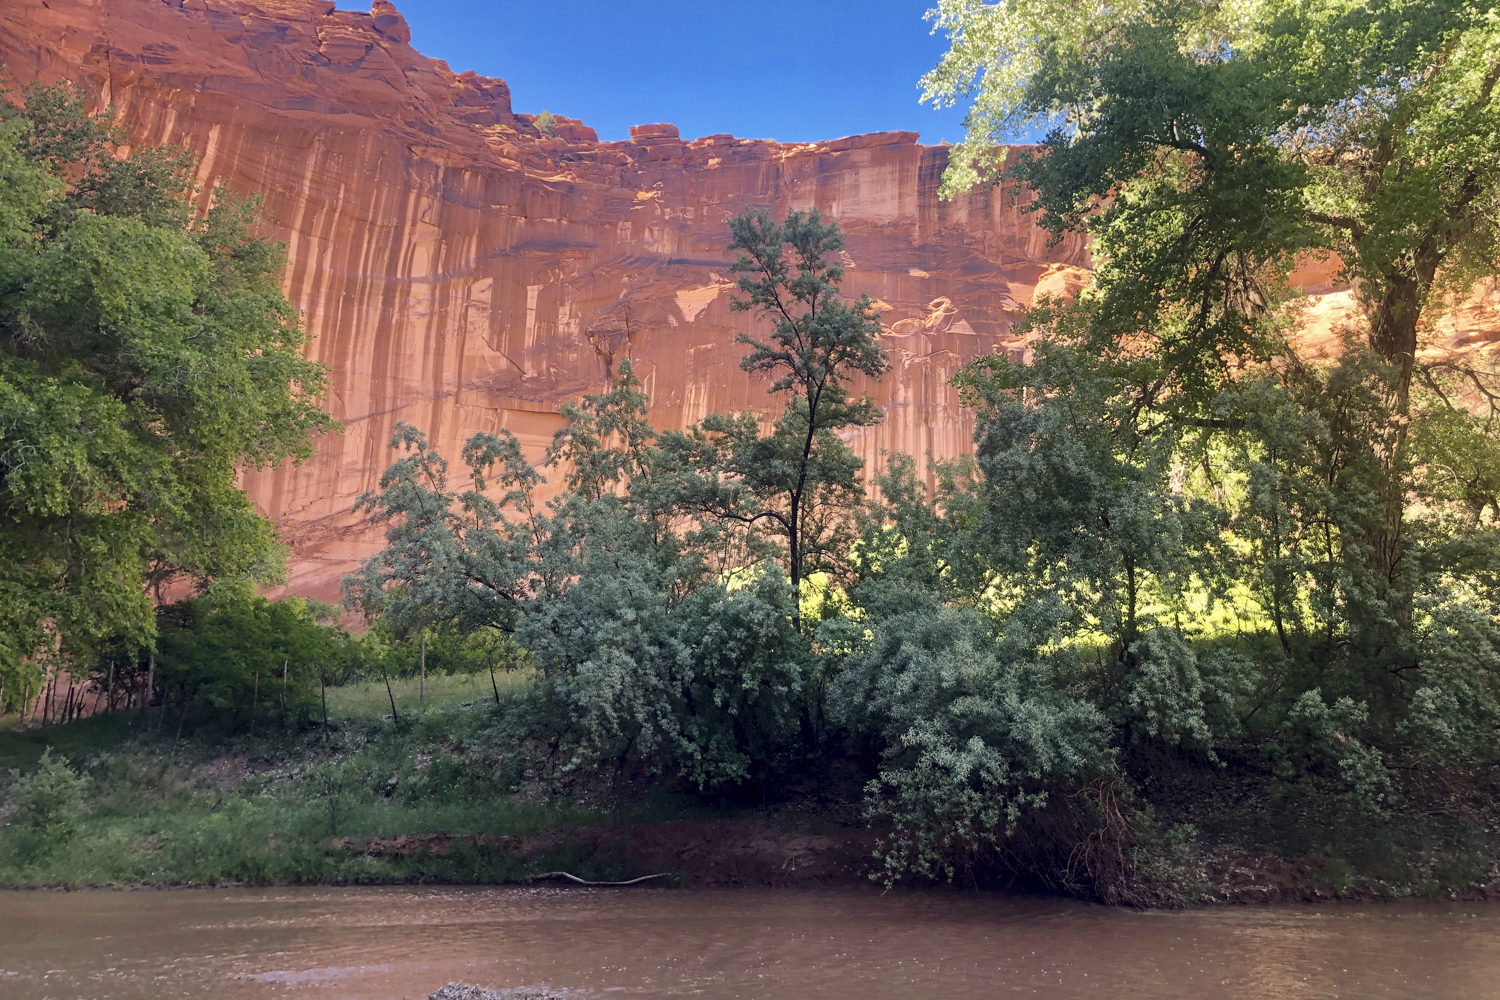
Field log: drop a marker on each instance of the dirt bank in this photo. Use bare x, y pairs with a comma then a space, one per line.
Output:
725, 852
765, 852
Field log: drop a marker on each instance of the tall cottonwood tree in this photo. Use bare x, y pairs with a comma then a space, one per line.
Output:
1206, 146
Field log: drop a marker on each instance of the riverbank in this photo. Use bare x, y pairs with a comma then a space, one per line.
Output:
450, 794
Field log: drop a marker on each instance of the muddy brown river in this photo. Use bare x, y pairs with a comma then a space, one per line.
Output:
841, 945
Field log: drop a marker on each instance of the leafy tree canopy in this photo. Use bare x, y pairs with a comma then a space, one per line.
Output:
798, 486
644, 593
147, 355
1205, 146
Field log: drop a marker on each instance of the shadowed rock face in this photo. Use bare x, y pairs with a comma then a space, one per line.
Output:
463, 272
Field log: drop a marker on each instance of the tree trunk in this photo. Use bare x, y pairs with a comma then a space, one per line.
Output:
422, 681
150, 683
1393, 317
794, 558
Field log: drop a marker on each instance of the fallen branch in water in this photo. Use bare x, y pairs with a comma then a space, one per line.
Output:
575, 878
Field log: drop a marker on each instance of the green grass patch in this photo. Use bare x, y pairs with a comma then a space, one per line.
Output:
267, 838
367, 699
22, 748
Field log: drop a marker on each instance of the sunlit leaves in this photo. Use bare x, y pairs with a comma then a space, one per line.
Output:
147, 356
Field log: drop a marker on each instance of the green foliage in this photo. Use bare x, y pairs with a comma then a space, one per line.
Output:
1081, 511
799, 486
642, 593
546, 124
233, 655
452, 557
1079, 497
1249, 544
49, 807
274, 808
704, 687
1329, 734
1184, 579
382, 651
646, 660
747, 669
146, 356
1455, 712
1208, 148
64, 139
1365, 128
975, 731
1142, 564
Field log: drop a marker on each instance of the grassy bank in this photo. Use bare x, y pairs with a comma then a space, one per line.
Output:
462, 791
152, 807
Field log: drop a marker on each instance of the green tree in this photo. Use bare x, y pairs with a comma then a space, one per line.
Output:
1081, 513
147, 356
451, 557
50, 806
152, 184
1206, 146
976, 733
649, 660
798, 485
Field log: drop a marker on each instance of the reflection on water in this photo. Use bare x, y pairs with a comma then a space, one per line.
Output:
841, 945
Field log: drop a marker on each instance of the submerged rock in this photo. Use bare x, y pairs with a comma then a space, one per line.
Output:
463, 991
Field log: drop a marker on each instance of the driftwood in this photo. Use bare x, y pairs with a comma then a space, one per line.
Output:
575, 878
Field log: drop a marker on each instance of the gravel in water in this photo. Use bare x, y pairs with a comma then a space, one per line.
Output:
463, 991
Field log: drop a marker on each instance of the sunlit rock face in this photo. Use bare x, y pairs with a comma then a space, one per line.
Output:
463, 272
1327, 312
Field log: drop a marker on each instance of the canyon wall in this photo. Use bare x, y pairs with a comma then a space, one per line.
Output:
461, 271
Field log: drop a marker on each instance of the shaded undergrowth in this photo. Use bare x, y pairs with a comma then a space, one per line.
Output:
148, 806
471, 792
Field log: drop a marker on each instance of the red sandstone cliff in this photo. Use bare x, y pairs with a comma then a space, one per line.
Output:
461, 271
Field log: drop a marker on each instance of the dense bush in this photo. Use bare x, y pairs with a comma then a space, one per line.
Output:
660, 595
232, 655
975, 727
1123, 573
49, 806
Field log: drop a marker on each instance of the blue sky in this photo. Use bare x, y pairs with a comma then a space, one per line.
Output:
775, 69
